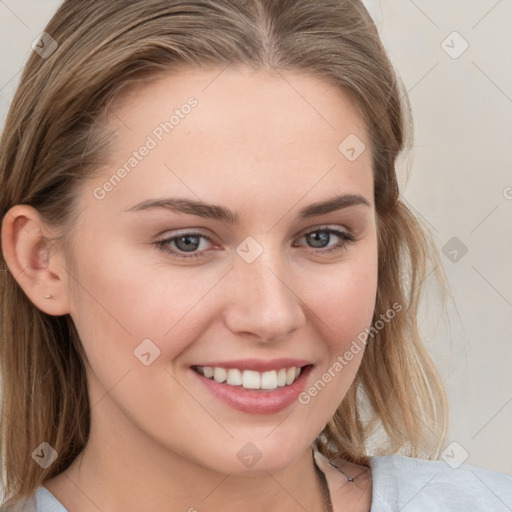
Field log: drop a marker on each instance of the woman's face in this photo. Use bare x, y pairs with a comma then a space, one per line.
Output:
256, 283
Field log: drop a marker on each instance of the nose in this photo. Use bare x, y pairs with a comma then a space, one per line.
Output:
261, 299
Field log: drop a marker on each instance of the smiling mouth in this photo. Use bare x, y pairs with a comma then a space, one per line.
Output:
250, 379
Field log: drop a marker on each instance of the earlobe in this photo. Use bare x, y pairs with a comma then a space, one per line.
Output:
35, 264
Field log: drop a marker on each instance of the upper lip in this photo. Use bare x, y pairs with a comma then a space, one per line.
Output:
258, 365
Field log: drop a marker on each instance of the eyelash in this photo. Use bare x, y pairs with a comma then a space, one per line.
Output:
345, 237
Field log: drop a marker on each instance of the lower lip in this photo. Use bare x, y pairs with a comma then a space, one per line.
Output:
255, 401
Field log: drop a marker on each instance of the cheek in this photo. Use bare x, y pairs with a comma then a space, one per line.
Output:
343, 298
342, 302
122, 302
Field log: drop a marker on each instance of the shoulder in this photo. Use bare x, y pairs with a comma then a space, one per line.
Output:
409, 484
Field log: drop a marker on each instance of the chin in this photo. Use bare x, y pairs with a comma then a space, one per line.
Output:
271, 454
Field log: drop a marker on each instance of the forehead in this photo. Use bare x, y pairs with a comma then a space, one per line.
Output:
221, 130
275, 97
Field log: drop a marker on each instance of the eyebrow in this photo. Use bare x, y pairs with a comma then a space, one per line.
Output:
216, 212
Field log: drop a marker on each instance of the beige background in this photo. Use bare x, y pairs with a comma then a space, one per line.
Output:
460, 183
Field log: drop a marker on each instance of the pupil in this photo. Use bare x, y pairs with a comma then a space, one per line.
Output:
188, 245
322, 237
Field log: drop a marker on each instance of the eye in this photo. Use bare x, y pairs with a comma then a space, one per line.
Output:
320, 238
185, 243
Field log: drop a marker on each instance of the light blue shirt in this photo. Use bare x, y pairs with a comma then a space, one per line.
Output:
404, 484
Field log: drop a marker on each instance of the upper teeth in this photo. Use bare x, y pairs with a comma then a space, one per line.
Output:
250, 379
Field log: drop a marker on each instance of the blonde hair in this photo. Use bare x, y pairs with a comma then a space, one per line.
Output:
53, 141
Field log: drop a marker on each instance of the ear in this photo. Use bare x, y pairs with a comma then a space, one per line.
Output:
36, 265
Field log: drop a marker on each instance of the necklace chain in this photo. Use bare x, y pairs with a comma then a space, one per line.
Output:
327, 495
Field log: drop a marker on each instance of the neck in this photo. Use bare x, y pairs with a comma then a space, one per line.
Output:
121, 468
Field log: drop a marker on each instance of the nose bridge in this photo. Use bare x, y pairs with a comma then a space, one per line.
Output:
264, 302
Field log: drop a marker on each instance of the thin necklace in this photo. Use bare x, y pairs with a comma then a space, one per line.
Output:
327, 495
